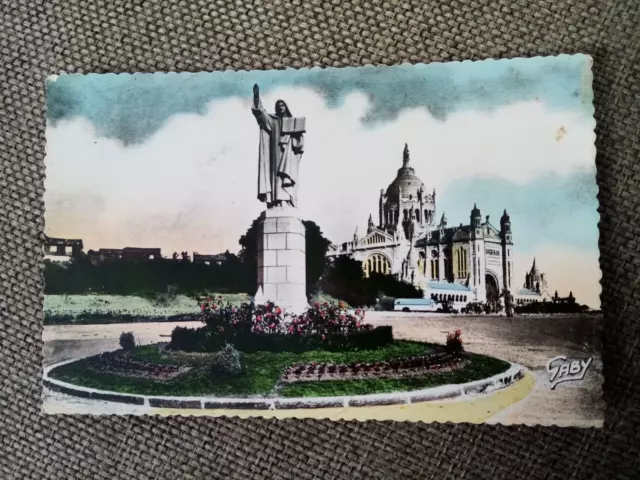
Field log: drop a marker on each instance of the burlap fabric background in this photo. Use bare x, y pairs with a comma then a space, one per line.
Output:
38, 38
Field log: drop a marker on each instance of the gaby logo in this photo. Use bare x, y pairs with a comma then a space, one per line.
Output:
560, 370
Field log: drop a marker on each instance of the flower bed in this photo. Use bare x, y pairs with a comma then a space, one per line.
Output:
252, 328
118, 363
395, 368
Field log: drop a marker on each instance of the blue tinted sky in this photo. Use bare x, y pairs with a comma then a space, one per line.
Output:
556, 209
131, 108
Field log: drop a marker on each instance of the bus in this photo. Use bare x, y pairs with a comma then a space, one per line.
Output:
415, 305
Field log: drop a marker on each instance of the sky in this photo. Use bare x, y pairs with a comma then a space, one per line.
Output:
170, 160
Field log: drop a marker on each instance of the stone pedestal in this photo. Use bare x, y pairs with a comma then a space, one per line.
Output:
281, 260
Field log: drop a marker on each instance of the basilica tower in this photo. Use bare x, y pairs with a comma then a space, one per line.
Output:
507, 251
405, 206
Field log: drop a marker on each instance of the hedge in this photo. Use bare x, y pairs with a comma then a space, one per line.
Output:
198, 340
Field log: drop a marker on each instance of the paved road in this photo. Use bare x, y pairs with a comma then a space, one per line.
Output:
529, 341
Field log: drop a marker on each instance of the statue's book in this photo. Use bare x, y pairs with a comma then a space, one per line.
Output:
293, 125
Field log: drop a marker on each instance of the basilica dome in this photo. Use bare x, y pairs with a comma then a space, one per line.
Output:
406, 181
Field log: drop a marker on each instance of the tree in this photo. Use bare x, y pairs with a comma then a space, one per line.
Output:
316, 246
345, 280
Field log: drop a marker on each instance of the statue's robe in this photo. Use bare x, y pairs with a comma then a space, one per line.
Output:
281, 147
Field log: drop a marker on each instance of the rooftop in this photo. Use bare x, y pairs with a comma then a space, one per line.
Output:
454, 287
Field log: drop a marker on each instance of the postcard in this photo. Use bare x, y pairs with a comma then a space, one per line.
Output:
408, 242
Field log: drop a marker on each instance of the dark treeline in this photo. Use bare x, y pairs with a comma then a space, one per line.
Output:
551, 307
146, 277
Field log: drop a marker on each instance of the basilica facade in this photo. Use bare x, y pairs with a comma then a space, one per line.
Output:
471, 262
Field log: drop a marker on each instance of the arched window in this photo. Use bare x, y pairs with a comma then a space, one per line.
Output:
426, 216
417, 215
376, 263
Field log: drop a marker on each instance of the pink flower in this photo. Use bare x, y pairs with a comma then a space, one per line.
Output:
259, 318
272, 325
234, 310
221, 329
290, 329
358, 324
278, 310
202, 307
324, 337
213, 306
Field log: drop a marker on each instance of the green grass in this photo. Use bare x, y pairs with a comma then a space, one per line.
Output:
262, 370
94, 309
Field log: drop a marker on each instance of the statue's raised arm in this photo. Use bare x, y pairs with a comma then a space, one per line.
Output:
256, 95
263, 118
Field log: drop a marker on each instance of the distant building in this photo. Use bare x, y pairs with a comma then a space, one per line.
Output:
471, 262
62, 249
209, 259
127, 254
534, 289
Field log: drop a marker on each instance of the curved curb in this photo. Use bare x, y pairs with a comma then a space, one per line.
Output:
484, 386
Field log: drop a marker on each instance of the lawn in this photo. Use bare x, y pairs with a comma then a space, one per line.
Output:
97, 308
262, 370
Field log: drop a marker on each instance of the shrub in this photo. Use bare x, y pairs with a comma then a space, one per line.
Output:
187, 339
454, 342
226, 362
200, 340
127, 341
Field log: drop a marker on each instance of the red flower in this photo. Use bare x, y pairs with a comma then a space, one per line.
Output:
213, 306
202, 307
272, 325
259, 318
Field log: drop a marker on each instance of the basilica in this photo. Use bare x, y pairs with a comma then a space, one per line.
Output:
461, 264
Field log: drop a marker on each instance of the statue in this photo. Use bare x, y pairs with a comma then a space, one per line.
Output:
281, 147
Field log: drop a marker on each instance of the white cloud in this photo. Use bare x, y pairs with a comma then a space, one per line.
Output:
192, 185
